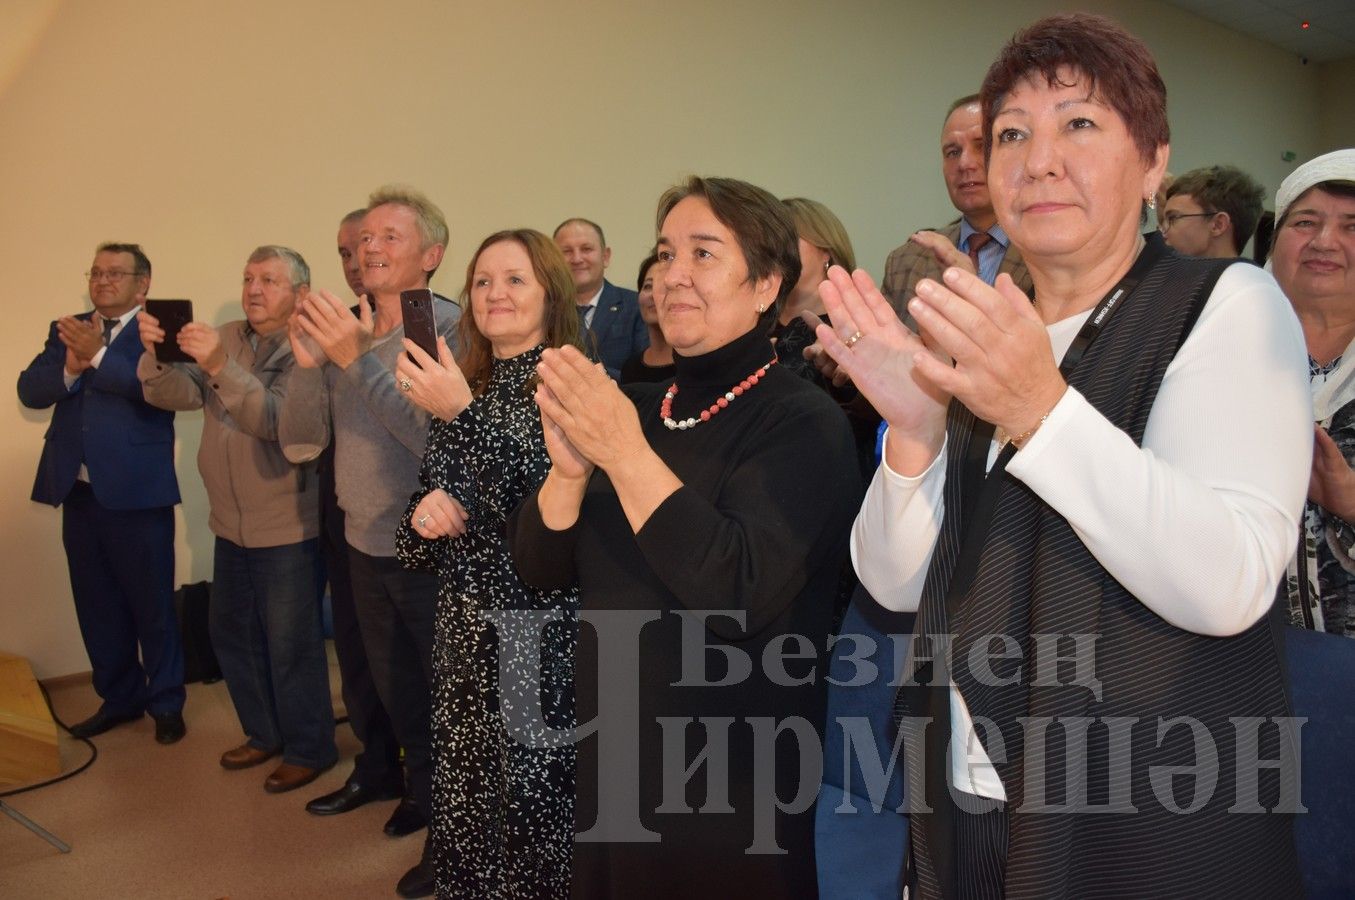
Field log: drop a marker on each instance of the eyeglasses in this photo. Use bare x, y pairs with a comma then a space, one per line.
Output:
113, 275
1171, 218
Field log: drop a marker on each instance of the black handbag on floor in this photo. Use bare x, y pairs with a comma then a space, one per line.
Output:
191, 602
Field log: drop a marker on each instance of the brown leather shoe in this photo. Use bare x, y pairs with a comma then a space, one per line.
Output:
288, 777
245, 756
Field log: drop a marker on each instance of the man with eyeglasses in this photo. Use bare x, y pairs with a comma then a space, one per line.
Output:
108, 462
1211, 212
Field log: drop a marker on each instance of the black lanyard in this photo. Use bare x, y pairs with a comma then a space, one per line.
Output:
980, 488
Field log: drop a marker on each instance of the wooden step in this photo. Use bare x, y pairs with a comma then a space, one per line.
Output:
28, 740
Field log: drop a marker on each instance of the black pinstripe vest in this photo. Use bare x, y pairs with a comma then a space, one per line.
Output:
1033, 576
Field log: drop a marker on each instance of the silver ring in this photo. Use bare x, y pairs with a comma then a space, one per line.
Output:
406, 384
422, 519
851, 341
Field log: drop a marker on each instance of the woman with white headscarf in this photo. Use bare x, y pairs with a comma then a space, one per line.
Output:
1314, 262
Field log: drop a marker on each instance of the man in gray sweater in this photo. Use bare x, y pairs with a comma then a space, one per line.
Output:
345, 385
265, 621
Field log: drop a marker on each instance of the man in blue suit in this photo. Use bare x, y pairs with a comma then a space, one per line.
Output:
108, 462
609, 314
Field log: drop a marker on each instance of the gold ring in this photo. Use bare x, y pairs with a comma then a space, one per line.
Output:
851, 341
406, 384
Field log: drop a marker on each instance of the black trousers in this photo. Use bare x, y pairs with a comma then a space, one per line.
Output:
395, 609
377, 764
121, 565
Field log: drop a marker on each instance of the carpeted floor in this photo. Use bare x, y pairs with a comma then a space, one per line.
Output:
147, 821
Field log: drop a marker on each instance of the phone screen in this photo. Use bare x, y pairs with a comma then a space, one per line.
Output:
416, 308
173, 316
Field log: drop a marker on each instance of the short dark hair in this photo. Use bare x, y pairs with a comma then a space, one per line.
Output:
140, 264
602, 238
1117, 67
761, 224
1224, 189
963, 101
645, 265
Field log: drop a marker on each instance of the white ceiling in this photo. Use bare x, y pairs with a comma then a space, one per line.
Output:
1330, 34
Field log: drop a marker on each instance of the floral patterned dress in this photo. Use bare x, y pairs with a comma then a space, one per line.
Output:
503, 657
1321, 579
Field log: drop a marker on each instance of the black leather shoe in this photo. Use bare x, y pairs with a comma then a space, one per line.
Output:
100, 722
347, 798
169, 727
417, 882
405, 820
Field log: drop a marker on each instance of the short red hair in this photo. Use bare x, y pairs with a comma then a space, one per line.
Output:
1118, 68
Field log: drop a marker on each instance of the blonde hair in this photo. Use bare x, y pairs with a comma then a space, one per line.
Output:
816, 224
432, 224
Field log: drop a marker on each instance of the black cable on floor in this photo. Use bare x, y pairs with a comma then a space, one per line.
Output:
93, 754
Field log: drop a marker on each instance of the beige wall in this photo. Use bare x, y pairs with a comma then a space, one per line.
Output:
1336, 93
202, 129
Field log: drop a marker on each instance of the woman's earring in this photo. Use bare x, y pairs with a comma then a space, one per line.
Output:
1152, 202
761, 309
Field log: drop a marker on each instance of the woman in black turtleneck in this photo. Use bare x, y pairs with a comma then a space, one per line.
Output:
729, 489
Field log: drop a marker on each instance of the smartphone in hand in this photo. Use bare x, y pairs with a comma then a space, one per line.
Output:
173, 316
416, 308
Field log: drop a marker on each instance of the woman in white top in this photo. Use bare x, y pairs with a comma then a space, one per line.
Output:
1314, 263
1090, 501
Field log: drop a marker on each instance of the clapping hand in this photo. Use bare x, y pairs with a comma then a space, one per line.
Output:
83, 338
307, 352
943, 251
598, 421
566, 461
880, 355
342, 336
1004, 369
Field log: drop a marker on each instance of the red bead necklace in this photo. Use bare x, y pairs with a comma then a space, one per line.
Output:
666, 408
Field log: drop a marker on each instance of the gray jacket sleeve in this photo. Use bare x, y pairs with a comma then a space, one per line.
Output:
304, 427
256, 408
176, 386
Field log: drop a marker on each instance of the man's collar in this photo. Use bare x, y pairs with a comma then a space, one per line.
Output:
593, 300
124, 318
995, 232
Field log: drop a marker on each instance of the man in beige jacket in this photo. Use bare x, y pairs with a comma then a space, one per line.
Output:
265, 613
